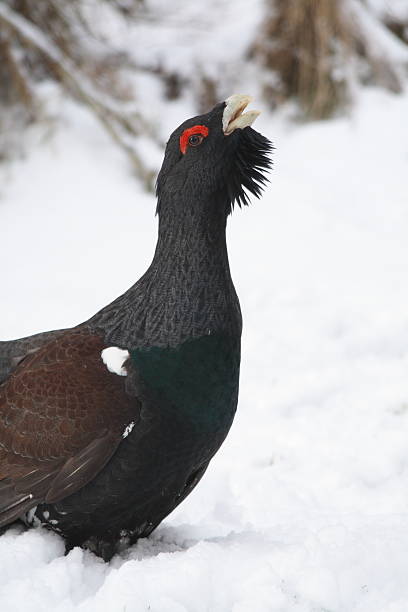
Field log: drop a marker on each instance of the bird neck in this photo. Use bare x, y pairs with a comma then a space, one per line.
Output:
187, 291
191, 250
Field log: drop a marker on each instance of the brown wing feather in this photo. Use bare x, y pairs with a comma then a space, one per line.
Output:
62, 415
12, 352
83, 467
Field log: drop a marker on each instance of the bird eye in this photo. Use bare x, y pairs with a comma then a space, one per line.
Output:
192, 137
195, 140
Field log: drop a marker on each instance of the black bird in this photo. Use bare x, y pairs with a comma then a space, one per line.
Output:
108, 426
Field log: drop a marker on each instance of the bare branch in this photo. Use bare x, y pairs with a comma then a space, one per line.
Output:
116, 118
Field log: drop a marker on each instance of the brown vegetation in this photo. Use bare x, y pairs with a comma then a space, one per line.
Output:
309, 47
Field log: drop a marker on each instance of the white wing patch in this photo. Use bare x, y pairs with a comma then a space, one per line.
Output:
128, 429
114, 358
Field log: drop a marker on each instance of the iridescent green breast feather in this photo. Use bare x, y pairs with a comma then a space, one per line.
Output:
198, 379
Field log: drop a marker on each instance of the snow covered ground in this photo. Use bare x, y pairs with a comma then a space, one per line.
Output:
305, 508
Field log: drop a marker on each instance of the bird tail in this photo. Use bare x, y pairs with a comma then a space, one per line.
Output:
12, 504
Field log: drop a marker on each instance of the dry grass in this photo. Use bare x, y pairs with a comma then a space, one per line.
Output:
304, 41
314, 47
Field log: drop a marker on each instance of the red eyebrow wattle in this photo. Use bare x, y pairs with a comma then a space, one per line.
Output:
196, 129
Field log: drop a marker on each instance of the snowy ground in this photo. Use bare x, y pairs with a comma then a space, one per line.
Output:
305, 508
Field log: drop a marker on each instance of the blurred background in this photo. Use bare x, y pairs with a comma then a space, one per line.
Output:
105, 54
305, 507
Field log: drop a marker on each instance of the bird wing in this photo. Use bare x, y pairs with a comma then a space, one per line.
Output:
12, 352
62, 416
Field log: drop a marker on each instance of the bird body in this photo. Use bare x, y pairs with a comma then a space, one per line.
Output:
106, 427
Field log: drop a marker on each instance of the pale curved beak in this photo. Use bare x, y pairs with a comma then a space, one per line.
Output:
234, 117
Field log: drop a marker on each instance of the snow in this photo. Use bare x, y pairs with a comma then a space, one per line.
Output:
196, 41
381, 42
397, 9
114, 358
305, 507
30, 519
219, 34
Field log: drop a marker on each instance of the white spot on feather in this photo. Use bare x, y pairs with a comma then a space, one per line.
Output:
128, 429
114, 358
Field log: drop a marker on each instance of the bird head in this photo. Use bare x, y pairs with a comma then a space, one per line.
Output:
215, 159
